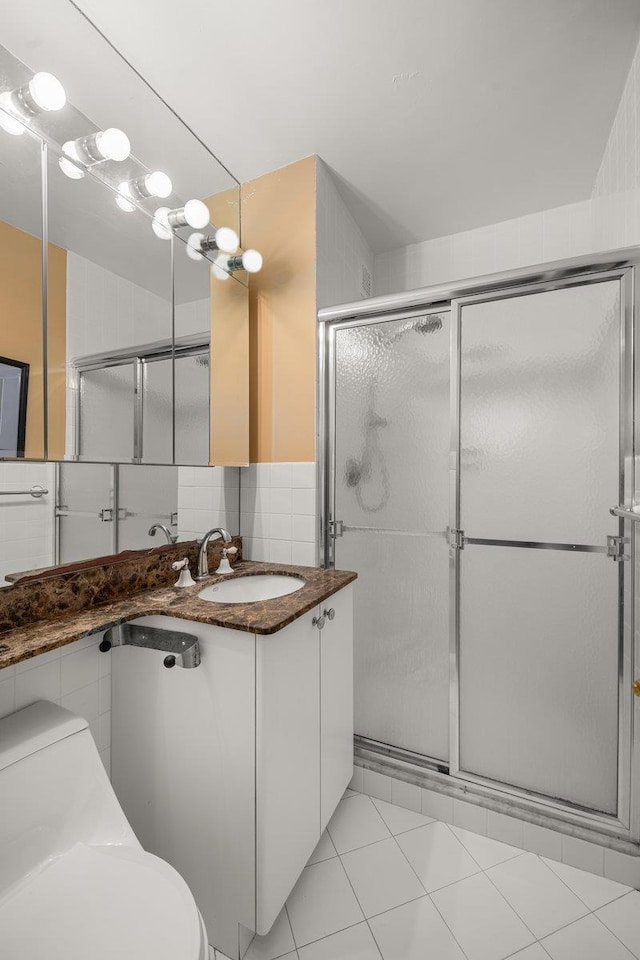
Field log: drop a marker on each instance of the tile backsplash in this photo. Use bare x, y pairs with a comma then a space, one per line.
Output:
278, 512
26, 523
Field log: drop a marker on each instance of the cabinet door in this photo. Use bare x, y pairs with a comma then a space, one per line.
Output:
287, 762
336, 701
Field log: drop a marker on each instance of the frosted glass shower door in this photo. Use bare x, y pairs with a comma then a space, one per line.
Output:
539, 612
391, 501
85, 511
106, 413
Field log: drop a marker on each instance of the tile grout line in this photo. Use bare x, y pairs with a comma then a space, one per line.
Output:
427, 894
431, 900
612, 932
366, 919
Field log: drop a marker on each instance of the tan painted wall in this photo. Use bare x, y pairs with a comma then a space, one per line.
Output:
21, 330
278, 213
229, 368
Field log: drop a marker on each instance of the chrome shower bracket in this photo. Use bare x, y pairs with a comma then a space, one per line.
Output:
182, 649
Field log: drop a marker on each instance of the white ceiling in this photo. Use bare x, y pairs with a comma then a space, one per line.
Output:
435, 115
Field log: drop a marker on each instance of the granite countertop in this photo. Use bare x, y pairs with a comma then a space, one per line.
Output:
263, 617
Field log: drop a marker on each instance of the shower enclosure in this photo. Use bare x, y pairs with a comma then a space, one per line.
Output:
125, 403
104, 508
473, 441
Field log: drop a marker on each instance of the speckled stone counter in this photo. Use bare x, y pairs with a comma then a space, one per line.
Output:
262, 617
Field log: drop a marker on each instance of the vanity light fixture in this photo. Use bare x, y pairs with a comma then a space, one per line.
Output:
110, 144
223, 266
224, 239
160, 223
70, 169
250, 260
194, 214
42, 94
156, 184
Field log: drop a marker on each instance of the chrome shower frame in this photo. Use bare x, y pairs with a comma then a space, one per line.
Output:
620, 831
140, 358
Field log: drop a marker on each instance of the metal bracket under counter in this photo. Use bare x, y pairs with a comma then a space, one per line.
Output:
182, 649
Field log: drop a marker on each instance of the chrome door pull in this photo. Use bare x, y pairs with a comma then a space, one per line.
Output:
319, 622
329, 614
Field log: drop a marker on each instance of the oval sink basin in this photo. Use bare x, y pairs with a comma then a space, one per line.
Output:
265, 586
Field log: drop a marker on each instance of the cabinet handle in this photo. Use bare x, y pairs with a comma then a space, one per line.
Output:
329, 614
319, 622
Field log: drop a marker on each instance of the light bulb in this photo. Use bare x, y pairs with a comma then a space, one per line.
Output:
123, 198
70, 169
193, 246
158, 184
227, 240
8, 120
70, 148
113, 144
252, 261
160, 224
47, 92
196, 213
219, 267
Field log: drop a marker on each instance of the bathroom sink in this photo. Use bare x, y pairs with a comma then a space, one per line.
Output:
266, 586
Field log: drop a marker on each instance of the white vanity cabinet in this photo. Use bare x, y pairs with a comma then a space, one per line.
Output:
231, 770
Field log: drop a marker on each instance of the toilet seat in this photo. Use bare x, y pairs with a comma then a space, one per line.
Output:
103, 902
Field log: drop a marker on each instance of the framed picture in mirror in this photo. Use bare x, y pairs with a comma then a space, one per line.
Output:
14, 385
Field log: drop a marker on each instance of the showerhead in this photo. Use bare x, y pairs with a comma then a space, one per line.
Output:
423, 325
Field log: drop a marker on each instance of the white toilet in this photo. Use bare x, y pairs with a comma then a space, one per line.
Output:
74, 881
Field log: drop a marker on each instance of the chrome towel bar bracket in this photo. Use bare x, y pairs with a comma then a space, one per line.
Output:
182, 649
625, 514
36, 491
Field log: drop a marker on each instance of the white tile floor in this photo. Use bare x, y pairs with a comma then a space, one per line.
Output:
385, 882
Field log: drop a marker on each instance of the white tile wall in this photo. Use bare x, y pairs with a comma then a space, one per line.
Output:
620, 168
580, 854
342, 251
77, 677
278, 512
208, 497
602, 223
26, 524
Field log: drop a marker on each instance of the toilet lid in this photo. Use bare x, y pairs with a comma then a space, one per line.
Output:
103, 902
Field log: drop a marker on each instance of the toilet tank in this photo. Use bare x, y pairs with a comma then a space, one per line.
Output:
54, 791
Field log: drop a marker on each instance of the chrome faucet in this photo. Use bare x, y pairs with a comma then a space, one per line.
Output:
203, 558
171, 538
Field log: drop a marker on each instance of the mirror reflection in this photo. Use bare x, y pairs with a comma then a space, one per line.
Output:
121, 331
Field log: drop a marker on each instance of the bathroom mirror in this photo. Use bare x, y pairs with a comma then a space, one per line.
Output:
143, 359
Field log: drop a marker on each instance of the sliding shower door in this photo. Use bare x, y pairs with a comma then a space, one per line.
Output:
391, 508
539, 578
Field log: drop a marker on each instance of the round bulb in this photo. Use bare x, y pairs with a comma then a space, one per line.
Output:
71, 150
70, 169
219, 268
252, 261
122, 198
113, 144
193, 246
160, 224
158, 184
10, 124
227, 240
47, 91
196, 213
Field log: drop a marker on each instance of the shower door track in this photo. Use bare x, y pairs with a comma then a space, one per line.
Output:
621, 830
